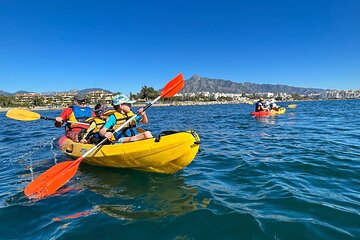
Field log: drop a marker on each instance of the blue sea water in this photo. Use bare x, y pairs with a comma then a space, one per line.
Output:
291, 176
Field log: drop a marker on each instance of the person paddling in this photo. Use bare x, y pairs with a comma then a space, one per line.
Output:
259, 105
122, 106
78, 112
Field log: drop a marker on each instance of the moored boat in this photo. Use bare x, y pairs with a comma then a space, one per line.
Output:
168, 153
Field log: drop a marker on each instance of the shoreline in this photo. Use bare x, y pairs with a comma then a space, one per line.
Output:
188, 103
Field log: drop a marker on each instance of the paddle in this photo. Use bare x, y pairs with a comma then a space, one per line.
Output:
292, 106
27, 115
56, 176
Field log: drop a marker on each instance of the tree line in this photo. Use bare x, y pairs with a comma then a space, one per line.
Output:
146, 94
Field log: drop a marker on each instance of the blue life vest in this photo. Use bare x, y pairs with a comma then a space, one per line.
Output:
81, 113
257, 107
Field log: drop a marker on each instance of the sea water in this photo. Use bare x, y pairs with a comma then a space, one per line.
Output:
291, 176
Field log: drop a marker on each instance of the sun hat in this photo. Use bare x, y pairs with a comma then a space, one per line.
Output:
79, 97
121, 98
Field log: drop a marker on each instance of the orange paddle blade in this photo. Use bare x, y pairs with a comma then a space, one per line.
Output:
173, 87
22, 114
52, 179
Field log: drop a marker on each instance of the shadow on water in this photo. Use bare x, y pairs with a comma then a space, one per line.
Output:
131, 195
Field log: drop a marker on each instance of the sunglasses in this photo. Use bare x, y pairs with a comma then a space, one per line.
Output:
127, 104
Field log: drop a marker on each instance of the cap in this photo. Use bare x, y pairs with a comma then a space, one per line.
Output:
99, 109
121, 98
79, 97
261, 99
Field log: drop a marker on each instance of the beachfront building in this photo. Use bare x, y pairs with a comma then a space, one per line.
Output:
25, 98
337, 94
60, 99
99, 96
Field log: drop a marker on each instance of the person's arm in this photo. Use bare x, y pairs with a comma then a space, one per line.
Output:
111, 121
63, 117
144, 119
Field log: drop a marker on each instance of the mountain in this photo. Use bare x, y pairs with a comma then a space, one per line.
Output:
201, 84
21, 92
83, 91
87, 90
3, 93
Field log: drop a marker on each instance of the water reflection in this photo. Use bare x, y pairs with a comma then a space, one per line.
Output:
132, 195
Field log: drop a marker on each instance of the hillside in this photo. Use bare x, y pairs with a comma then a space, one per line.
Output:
201, 84
3, 93
83, 91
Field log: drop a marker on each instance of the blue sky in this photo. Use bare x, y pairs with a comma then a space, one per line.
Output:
124, 45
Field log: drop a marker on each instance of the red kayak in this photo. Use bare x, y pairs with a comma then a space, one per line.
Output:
261, 114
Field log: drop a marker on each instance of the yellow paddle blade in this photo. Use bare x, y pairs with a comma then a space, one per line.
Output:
292, 106
22, 114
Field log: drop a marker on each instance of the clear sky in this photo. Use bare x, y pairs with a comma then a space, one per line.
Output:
124, 45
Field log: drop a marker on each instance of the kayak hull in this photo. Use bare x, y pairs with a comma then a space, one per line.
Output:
281, 110
261, 114
170, 154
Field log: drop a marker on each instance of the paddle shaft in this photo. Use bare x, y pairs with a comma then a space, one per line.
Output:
118, 129
54, 119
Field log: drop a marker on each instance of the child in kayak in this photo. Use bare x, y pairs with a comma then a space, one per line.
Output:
122, 106
91, 135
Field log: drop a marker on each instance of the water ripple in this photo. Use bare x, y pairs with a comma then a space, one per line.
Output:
294, 176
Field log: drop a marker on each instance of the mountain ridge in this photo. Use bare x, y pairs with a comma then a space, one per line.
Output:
83, 91
202, 84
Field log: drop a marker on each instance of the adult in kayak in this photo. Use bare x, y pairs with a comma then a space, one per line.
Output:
122, 106
259, 106
78, 112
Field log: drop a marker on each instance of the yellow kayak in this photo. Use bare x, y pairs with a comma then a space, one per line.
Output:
281, 110
171, 153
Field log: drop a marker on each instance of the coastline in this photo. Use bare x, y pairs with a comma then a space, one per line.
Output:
187, 103
42, 108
